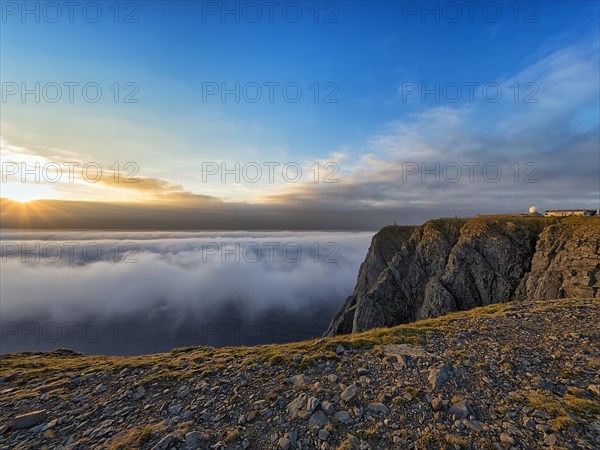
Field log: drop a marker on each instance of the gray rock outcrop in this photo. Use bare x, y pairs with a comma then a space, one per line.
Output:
413, 273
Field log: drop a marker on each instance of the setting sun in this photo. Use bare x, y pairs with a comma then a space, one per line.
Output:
22, 200
24, 193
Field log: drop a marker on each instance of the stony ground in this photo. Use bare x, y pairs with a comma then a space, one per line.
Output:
519, 375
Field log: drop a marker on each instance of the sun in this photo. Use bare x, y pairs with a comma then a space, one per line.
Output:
25, 192
22, 200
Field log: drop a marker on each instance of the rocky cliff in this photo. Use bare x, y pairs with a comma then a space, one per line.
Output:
413, 273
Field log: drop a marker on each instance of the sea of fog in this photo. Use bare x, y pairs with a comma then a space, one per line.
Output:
128, 293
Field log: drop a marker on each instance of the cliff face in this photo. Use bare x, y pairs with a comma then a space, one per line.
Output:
384, 245
566, 262
413, 273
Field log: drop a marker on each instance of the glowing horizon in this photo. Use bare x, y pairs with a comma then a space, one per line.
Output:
387, 123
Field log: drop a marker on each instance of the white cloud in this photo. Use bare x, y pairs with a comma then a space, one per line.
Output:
197, 271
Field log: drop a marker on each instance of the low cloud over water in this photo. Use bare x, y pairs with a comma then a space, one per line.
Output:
129, 293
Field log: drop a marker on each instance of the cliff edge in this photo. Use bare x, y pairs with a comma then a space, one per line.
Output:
413, 273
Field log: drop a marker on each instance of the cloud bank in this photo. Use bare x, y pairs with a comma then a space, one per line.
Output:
169, 281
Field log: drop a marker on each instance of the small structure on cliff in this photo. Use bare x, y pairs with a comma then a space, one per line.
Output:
569, 212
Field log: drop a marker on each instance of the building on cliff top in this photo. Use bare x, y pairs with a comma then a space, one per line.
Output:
570, 212
548, 213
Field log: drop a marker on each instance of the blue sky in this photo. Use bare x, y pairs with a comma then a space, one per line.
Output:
368, 54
